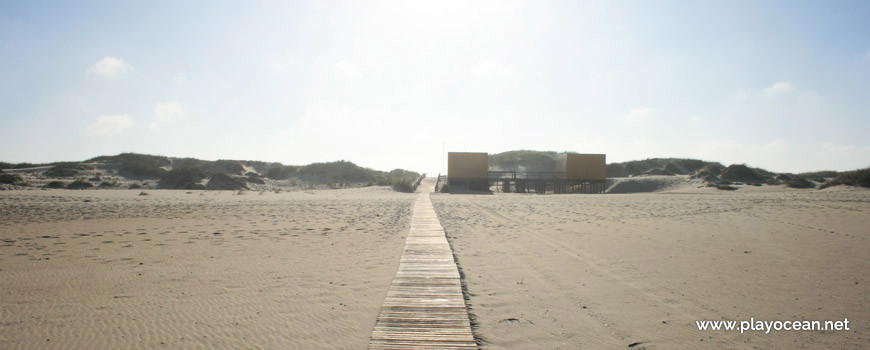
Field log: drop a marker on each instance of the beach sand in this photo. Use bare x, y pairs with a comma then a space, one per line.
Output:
111, 269
637, 270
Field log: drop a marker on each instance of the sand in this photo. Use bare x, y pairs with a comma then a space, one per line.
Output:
110, 269
613, 271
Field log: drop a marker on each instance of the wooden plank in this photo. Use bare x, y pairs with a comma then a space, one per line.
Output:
424, 308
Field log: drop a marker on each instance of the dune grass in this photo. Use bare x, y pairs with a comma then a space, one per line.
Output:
10, 178
66, 169
860, 177
55, 184
80, 185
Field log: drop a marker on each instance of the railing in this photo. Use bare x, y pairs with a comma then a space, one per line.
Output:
419, 180
525, 182
531, 175
440, 182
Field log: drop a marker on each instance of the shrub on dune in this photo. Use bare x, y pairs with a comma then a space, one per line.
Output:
142, 171
194, 187
852, 178
228, 167
255, 180
133, 165
403, 185
222, 181
79, 185
65, 170
10, 178
800, 183
54, 184
181, 178
743, 173
281, 172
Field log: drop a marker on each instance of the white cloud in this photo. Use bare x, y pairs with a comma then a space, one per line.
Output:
493, 69
345, 122
867, 54
776, 145
180, 79
168, 110
829, 155
775, 155
779, 88
109, 125
741, 95
637, 114
282, 63
109, 67
603, 75
346, 69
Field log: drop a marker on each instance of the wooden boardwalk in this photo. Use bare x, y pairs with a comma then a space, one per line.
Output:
424, 308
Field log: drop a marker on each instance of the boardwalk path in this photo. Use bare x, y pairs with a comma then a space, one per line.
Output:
424, 307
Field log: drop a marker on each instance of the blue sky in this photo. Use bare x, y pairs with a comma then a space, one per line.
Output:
779, 85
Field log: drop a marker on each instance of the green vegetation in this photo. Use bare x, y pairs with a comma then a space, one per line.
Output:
6, 165
819, 176
132, 158
105, 185
194, 163
194, 187
800, 182
80, 185
142, 171
134, 165
336, 172
182, 178
189, 173
859, 177
9, 179
254, 179
222, 181
228, 167
403, 185
743, 173
233, 167
665, 166
344, 172
66, 169
281, 172
54, 184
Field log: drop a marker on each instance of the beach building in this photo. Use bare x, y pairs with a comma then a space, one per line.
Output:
469, 171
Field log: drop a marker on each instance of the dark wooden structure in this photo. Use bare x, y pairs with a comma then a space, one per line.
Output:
541, 182
469, 171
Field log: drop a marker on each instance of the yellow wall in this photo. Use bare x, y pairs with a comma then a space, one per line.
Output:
467, 165
586, 166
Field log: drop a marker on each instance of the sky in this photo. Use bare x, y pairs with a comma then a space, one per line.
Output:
782, 85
